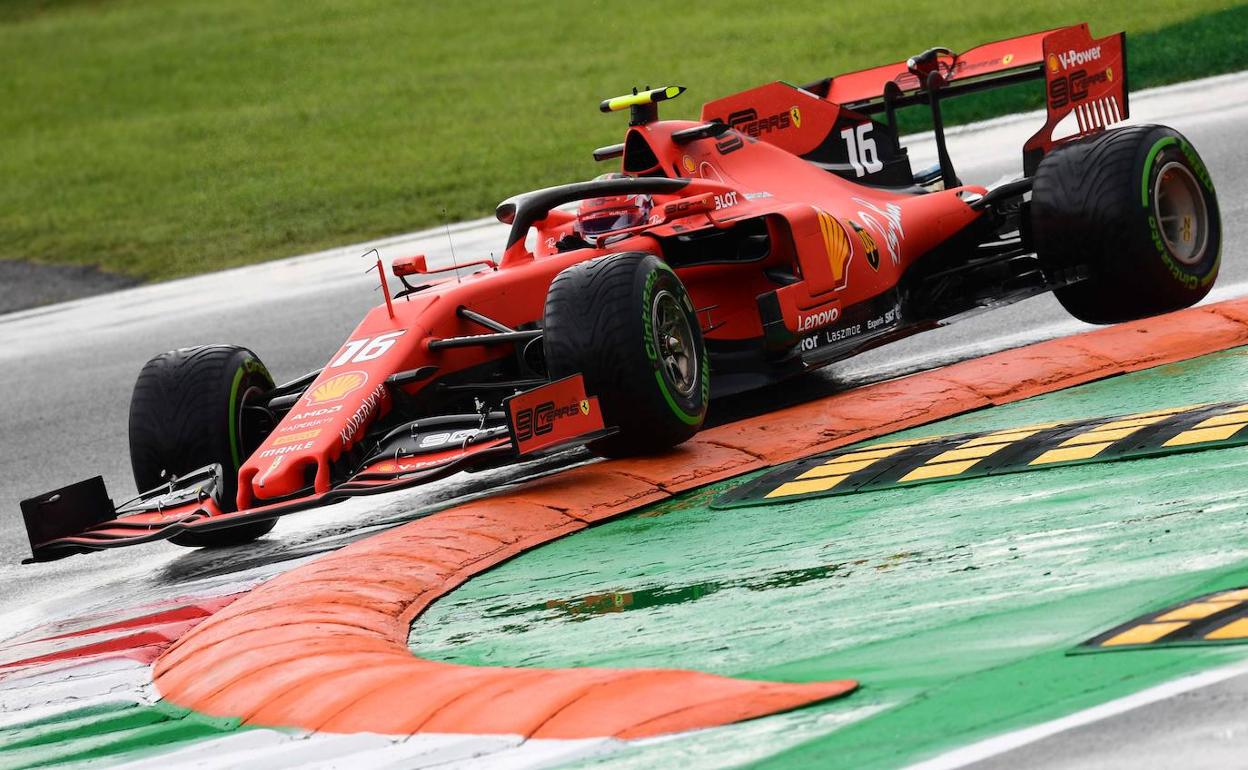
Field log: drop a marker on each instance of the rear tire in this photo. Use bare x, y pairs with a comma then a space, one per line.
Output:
627, 324
187, 412
1134, 207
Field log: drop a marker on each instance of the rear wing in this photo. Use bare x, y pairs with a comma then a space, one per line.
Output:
991, 65
1084, 78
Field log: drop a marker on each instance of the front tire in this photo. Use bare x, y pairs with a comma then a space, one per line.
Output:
626, 323
189, 410
1134, 208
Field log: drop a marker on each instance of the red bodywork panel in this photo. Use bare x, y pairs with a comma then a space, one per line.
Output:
816, 217
351, 393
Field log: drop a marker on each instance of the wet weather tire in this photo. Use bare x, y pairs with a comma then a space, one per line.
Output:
627, 324
1133, 210
187, 412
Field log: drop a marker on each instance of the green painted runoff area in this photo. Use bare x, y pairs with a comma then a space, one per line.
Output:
105, 734
954, 604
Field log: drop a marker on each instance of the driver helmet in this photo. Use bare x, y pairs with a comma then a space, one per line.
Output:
599, 216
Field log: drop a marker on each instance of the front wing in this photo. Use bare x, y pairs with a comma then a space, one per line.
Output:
81, 517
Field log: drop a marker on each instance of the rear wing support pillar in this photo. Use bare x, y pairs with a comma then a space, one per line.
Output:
947, 174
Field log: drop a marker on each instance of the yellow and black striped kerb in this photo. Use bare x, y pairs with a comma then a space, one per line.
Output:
1220, 617
970, 455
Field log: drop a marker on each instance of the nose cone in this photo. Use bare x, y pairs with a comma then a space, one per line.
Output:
323, 424
281, 467
284, 474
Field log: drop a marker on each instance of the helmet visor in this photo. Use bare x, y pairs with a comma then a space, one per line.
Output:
609, 221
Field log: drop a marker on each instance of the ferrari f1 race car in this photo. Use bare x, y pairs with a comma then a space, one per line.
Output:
784, 230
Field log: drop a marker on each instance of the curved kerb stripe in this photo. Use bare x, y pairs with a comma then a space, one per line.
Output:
324, 647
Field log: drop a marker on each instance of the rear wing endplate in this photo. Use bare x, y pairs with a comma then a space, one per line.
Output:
1085, 78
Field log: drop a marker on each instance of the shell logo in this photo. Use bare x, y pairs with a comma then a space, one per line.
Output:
337, 387
689, 165
837, 245
1053, 63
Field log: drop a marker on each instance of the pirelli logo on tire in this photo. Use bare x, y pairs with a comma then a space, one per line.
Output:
552, 414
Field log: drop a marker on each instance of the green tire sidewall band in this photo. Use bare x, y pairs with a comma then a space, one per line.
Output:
1160, 145
233, 417
648, 331
1202, 175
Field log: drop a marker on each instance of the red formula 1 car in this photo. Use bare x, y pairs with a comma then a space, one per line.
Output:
784, 230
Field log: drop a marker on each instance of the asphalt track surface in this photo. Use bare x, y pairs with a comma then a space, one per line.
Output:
67, 370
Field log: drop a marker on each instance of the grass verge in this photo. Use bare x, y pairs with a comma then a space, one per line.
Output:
161, 139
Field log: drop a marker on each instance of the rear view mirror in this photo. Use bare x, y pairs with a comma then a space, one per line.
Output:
685, 207
409, 266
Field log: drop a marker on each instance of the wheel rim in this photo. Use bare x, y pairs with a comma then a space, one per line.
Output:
1181, 213
678, 355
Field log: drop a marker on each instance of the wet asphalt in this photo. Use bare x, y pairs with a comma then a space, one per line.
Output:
66, 370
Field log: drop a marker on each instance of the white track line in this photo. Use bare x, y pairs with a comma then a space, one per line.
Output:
992, 747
